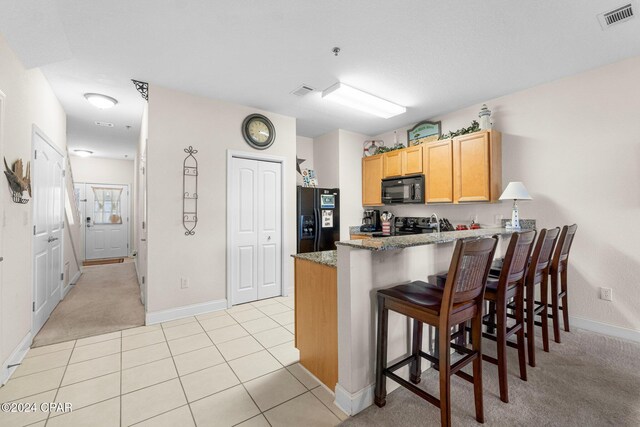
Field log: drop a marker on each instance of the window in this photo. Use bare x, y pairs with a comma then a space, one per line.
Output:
106, 205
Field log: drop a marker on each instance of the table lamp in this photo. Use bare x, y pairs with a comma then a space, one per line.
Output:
515, 191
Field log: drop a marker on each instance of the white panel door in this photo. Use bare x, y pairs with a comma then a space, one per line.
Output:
48, 196
107, 220
269, 230
255, 230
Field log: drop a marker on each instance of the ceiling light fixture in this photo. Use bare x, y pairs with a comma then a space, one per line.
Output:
354, 98
100, 101
83, 153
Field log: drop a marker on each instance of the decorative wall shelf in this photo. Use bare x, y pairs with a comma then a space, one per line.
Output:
190, 192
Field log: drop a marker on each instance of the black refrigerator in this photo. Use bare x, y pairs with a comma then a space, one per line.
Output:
318, 219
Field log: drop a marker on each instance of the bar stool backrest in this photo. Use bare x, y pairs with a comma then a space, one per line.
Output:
561, 255
516, 259
541, 258
468, 271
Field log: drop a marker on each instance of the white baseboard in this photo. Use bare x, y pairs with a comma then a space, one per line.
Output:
15, 358
185, 311
604, 328
352, 403
76, 278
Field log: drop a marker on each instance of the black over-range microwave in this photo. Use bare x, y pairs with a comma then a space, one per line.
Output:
407, 189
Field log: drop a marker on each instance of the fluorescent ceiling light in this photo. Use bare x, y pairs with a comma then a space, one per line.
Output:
83, 153
100, 101
354, 98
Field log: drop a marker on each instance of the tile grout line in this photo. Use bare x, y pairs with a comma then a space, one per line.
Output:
239, 380
186, 398
61, 379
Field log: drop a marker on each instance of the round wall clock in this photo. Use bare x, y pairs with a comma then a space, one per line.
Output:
258, 131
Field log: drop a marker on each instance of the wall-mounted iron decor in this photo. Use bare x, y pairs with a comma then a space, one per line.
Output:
190, 192
18, 183
143, 88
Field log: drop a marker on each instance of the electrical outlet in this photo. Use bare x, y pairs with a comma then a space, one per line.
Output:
184, 283
606, 294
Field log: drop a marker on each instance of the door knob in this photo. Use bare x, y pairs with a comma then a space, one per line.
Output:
269, 238
51, 239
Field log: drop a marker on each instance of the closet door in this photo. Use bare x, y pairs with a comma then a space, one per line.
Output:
256, 230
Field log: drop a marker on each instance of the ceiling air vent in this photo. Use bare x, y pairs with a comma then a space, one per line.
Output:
302, 90
616, 16
105, 124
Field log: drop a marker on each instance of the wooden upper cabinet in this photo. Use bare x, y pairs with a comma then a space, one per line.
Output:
477, 167
438, 167
412, 160
372, 174
392, 163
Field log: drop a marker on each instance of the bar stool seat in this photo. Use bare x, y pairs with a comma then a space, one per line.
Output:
424, 295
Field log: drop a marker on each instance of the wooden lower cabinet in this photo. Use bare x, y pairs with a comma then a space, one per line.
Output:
438, 165
316, 319
477, 167
359, 236
372, 174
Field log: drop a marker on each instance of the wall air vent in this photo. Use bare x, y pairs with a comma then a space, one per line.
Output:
302, 90
104, 124
621, 14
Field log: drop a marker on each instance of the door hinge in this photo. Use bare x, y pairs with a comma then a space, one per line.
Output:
35, 156
143, 280
34, 230
127, 219
127, 246
64, 173
33, 306
62, 224
61, 276
143, 225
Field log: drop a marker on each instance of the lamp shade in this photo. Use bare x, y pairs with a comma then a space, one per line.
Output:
515, 191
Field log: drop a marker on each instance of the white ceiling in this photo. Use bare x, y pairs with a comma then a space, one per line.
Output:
430, 56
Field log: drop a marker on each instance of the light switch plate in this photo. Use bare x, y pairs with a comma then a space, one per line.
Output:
606, 294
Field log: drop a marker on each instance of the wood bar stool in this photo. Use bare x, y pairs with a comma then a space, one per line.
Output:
559, 265
459, 301
509, 286
538, 273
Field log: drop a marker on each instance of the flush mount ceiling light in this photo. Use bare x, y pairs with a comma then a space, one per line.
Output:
354, 98
83, 153
100, 101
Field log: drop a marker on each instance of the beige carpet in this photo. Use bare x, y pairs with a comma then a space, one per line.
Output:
587, 380
105, 299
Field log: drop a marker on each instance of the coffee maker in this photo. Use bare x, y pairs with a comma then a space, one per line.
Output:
371, 221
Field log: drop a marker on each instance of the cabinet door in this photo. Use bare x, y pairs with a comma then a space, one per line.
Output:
438, 166
392, 163
412, 160
471, 168
372, 168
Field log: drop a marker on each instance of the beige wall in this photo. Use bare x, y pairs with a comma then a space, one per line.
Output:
326, 160
177, 120
575, 143
29, 100
304, 150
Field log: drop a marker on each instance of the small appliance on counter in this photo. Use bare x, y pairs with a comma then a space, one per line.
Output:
371, 221
406, 226
318, 219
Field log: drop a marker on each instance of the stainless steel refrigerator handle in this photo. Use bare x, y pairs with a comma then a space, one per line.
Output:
316, 237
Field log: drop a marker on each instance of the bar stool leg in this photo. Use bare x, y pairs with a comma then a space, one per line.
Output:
415, 369
381, 354
544, 294
501, 342
530, 325
491, 327
565, 299
476, 340
520, 334
445, 376
555, 312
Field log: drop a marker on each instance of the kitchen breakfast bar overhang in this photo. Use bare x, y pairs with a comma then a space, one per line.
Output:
363, 267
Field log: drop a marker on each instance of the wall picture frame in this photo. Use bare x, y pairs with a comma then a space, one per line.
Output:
425, 131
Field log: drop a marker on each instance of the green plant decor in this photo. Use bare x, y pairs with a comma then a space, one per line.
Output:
384, 149
475, 127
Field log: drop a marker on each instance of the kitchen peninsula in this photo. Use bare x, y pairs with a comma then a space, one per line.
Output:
335, 305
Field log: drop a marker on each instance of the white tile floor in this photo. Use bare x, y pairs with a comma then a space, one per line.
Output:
233, 367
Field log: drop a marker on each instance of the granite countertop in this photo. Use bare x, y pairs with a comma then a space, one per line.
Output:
355, 229
401, 242
329, 258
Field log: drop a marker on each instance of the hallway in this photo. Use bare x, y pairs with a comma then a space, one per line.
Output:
105, 299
